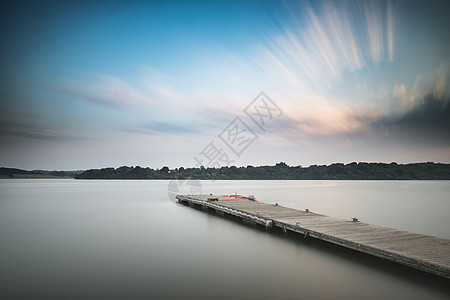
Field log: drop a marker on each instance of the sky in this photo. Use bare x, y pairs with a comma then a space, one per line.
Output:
93, 84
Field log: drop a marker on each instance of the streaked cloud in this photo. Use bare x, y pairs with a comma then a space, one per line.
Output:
401, 95
433, 84
329, 43
307, 59
160, 127
311, 63
321, 118
374, 30
37, 133
107, 90
147, 87
347, 74
390, 30
340, 31
426, 123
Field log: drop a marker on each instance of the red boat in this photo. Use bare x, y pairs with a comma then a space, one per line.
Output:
250, 197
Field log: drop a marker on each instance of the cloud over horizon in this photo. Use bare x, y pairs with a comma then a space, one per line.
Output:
353, 75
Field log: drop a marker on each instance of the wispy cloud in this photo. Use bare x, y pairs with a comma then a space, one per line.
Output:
160, 88
147, 88
322, 118
309, 61
374, 30
421, 109
390, 30
306, 60
434, 83
37, 133
402, 97
331, 40
160, 127
426, 122
107, 90
339, 23
29, 125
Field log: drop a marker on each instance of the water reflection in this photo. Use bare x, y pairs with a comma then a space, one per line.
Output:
126, 240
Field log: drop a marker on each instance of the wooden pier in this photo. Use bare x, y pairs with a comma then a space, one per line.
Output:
423, 252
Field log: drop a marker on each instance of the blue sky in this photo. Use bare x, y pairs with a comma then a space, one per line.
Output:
111, 83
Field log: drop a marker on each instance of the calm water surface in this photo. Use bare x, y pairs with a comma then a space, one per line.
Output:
68, 239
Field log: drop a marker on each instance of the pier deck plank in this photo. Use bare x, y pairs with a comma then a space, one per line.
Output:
428, 253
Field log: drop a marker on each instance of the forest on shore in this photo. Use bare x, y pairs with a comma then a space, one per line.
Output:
282, 171
19, 173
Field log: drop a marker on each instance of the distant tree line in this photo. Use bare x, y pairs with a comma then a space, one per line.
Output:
12, 173
281, 171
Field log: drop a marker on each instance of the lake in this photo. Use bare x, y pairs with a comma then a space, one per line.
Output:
99, 239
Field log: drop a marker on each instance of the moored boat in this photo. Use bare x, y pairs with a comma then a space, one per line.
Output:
250, 197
